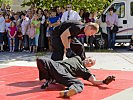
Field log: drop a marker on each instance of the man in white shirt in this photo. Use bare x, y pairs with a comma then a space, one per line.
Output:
24, 27
2, 30
70, 14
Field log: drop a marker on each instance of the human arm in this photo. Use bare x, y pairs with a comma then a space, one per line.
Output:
14, 34
77, 16
106, 81
43, 19
64, 38
9, 33
55, 24
88, 62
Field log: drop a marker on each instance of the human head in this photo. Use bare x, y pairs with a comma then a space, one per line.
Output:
39, 11
111, 10
91, 29
7, 16
31, 24
45, 11
16, 16
23, 15
13, 24
89, 62
35, 17
69, 7
53, 13
58, 9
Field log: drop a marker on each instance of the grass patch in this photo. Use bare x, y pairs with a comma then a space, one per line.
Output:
40, 54
87, 49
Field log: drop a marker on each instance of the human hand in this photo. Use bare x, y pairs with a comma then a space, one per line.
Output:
69, 53
109, 79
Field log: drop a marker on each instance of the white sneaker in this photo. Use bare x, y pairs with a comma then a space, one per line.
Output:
111, 49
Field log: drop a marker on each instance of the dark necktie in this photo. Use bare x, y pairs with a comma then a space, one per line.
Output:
68, 15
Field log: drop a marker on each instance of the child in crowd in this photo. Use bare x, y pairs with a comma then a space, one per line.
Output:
20, 37
31, 34
52, 22
35, 21
12, 34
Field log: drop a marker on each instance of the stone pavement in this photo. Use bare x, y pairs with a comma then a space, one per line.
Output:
121, 60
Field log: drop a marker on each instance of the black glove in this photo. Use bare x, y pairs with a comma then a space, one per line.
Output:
109, 79
69, 53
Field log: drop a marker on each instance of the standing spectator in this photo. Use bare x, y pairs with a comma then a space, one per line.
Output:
70, 14
20, 37
90, 39
46, 14
12, 35
31, 33
6, 36
2, 30
29, 14
82, 15
24, 26
111, 20
53, 22
58, 12
42, 29
35, 21
18, 25
81, 37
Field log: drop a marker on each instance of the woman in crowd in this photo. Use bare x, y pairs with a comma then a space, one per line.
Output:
42, 29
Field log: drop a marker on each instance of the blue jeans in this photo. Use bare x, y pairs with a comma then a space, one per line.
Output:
111, 38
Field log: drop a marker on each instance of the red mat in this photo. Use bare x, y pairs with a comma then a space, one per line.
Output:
19, 83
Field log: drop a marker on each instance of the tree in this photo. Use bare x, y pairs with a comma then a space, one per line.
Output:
91, 5
5, 2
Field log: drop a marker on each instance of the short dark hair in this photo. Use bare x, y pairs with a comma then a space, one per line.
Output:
23, 14
111, 9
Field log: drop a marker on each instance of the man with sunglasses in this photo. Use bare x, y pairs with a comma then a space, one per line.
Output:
70, 14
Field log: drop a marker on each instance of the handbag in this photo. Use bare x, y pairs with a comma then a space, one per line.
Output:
115, 29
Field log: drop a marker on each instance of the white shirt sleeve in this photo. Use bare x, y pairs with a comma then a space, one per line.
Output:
63, 17
77, 17
43, 19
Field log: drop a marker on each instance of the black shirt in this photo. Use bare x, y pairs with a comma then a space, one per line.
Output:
75, 28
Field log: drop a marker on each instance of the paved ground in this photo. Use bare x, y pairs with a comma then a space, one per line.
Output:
121, 59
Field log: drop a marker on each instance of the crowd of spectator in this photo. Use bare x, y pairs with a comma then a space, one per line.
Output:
30, 29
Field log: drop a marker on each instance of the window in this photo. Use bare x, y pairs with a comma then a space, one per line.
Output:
131, 5
120, 9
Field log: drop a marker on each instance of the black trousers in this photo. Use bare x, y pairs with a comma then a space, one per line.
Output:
59, 73
58, 48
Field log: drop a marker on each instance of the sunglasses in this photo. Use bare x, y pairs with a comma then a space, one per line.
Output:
69, 7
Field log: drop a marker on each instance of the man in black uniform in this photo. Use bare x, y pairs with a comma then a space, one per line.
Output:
66, 72
63, 39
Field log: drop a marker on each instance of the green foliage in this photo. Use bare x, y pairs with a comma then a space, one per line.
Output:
90, 5
5, 2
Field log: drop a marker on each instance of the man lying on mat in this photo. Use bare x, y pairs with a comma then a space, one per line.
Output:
66, 72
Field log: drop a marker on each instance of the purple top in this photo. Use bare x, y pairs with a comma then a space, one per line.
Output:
110, 20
